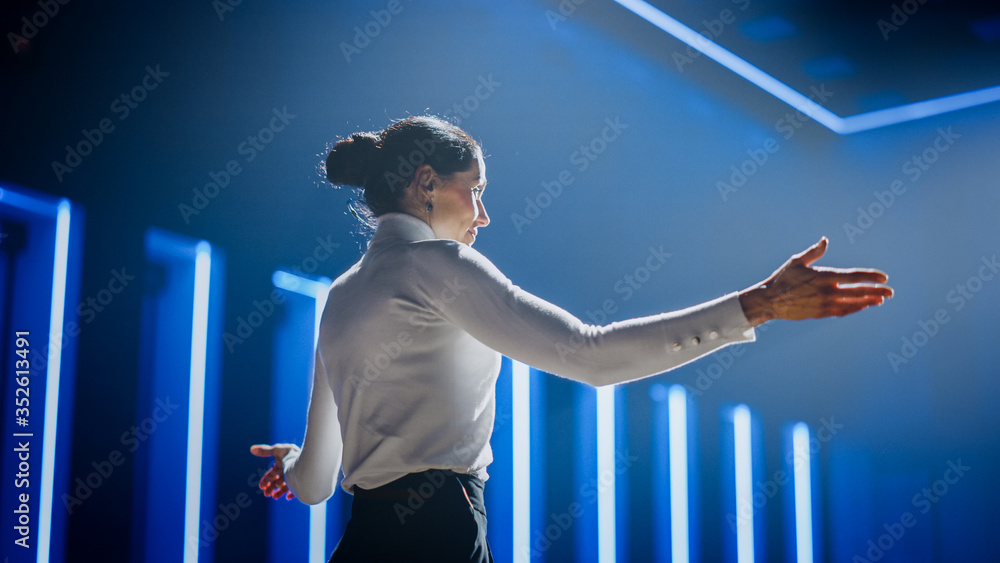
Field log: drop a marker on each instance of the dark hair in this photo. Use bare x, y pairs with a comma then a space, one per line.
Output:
383, 164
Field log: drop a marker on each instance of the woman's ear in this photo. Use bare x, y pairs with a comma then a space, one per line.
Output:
424, 177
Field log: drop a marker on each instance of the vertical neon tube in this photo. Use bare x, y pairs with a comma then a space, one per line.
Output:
679, 534
317, 533
318, 290
744, 484
317, 513
521, 411
606, 474
802, 475
196, 399
58, 310
306, 529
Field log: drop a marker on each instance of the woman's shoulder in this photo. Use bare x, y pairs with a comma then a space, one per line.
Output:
431, 262
444, 253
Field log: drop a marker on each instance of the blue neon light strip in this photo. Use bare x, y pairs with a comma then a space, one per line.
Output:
317, 512
317, 533
802, 476
679, 534
606, 474
318, 290
785, 93
916, 110
29, 203
56, 319
521, 414
196, 400
662, 503
744, 484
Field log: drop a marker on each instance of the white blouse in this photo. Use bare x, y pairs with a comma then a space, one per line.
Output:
409, 352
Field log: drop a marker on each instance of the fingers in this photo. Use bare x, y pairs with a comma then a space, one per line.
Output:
813, 253
844, 311
261, 450
866, 300
266, 450
842, 306
278, 492
852, 275
269, 479
830, 301
273, 484
864, 291
847, 309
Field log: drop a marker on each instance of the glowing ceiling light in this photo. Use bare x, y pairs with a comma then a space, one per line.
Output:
785, 93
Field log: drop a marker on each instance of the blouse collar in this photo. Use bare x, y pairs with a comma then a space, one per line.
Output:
399, 225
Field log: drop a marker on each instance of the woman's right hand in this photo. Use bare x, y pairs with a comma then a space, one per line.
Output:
798, 290
273, 482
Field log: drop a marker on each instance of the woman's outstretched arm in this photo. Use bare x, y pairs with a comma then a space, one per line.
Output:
522, 326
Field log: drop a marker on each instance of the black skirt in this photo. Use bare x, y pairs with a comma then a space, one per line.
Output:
436, 515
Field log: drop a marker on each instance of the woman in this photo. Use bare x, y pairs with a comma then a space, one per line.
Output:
411, 337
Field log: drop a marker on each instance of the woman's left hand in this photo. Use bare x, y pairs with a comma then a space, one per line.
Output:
273, 482
798, 290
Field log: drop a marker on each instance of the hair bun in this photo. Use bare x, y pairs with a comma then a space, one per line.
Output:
351, 160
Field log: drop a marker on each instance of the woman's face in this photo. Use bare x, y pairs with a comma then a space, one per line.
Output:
458, 206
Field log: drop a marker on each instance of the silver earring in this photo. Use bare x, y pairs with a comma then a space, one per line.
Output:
429, 207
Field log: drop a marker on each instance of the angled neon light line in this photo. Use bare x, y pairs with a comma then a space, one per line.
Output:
918, 110
785, 93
